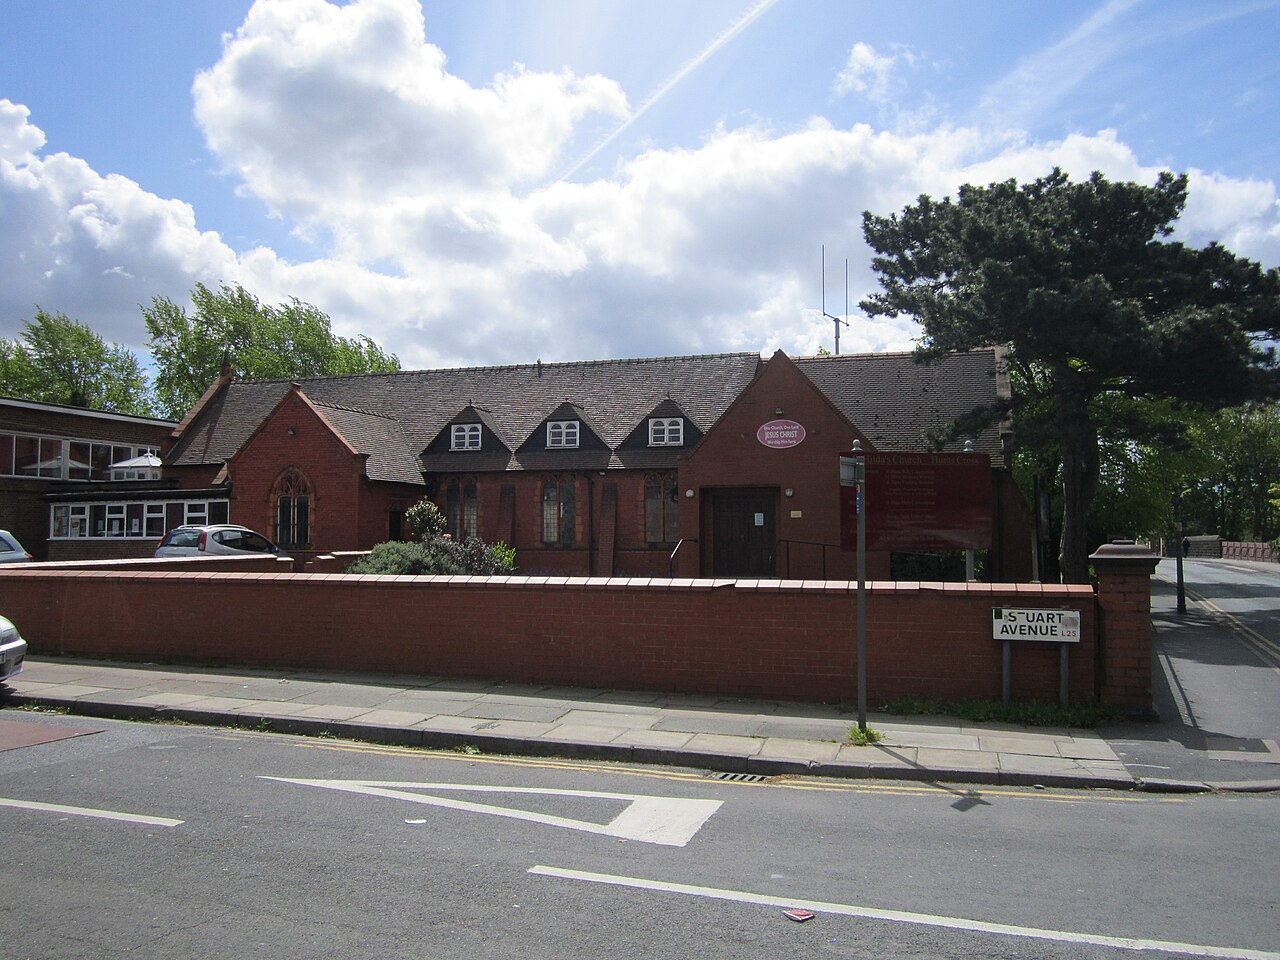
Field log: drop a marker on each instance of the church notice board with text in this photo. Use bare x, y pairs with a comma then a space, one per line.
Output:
921, 501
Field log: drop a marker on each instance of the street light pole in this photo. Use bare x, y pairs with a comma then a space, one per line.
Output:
1182, 538
862, 587
853, 477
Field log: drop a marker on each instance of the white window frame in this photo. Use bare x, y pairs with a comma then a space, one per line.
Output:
464, 436
666, 432
124, 519
58, 450
562, 434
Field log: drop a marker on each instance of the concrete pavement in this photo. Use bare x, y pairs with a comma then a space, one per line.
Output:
749, 737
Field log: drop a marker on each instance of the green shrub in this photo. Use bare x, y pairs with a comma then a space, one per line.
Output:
435, 552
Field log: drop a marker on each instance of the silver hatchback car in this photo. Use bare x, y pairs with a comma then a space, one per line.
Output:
224, 540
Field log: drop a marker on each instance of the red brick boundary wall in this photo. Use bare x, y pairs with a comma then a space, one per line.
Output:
785, 639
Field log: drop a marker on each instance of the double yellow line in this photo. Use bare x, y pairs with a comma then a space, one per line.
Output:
785, 782
1266, 648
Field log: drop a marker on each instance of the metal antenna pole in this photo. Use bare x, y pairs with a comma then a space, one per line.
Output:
837, 320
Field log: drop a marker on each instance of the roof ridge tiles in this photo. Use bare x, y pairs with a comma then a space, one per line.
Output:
613, 361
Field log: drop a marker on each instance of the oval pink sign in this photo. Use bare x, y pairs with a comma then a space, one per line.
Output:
780, 434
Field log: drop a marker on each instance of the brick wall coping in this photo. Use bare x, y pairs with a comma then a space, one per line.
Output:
1050, 591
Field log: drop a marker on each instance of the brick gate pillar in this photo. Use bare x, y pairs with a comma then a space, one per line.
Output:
1124, 616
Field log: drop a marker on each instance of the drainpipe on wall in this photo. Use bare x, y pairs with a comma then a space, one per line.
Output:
591, 526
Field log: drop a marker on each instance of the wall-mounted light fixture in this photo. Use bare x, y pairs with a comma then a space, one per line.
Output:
291, 432
789, 492
689, 494
777, 411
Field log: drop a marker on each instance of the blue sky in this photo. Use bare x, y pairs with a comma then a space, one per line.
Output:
491, 182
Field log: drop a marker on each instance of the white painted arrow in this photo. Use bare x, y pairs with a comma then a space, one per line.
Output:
670, 821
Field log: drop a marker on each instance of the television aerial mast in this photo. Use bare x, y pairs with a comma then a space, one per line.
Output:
838, 320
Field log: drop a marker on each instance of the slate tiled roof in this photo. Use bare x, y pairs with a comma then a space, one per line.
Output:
390, 453
894, 400
897, 403
614, 395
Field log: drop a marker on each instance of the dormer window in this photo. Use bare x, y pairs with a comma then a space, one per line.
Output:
666, 432
465, 436
562, 434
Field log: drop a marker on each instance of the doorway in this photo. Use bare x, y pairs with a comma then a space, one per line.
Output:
743, 527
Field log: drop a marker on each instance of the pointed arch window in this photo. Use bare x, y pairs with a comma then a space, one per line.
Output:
558, 510
293, 517
661, 508
460, 509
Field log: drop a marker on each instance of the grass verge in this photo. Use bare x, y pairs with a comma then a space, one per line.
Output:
1027, 713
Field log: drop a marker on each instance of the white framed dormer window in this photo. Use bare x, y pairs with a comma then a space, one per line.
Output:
465, 436
562, 434
666, 431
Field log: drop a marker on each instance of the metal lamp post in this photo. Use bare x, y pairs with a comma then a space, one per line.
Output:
853, 473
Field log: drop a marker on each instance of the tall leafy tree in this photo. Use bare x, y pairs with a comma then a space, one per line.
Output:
1080, 280
60, 360
262, 342
1242, 460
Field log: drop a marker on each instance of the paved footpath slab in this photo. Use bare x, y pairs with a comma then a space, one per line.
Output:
763, 737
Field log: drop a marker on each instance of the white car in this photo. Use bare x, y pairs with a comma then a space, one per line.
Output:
13, 649
222, 540
11, 550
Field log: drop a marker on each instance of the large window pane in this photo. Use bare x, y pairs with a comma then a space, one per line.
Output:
469, 510
100, 462
155, 520
653, 510
51, 458
6, 454
673, 510
550, 512
302, 520
567, 513
78, 466
26, 456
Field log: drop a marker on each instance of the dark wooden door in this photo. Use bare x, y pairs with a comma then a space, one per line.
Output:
744, 533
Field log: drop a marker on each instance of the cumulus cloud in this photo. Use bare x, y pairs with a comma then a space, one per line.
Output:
868, 72
90, 246
452, 243
326, 112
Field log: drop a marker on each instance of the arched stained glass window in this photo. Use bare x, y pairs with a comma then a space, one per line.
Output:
293, 518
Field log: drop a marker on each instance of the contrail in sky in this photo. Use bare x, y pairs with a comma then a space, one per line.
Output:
744, 20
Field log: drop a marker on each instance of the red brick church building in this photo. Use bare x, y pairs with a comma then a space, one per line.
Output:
720, 465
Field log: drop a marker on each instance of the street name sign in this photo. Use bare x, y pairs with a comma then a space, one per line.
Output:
1017, 623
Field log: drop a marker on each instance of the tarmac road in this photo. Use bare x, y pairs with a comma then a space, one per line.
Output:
1216, 677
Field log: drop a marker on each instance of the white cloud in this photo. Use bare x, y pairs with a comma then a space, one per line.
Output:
90, 246
867, 72
451, 242
328, 112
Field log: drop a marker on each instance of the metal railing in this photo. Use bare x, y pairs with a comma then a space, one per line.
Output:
806, 543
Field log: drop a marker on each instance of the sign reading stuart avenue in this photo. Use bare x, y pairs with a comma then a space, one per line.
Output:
1015, 623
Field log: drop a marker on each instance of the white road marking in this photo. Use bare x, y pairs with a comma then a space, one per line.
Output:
900, 916
670, 821
90, 812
